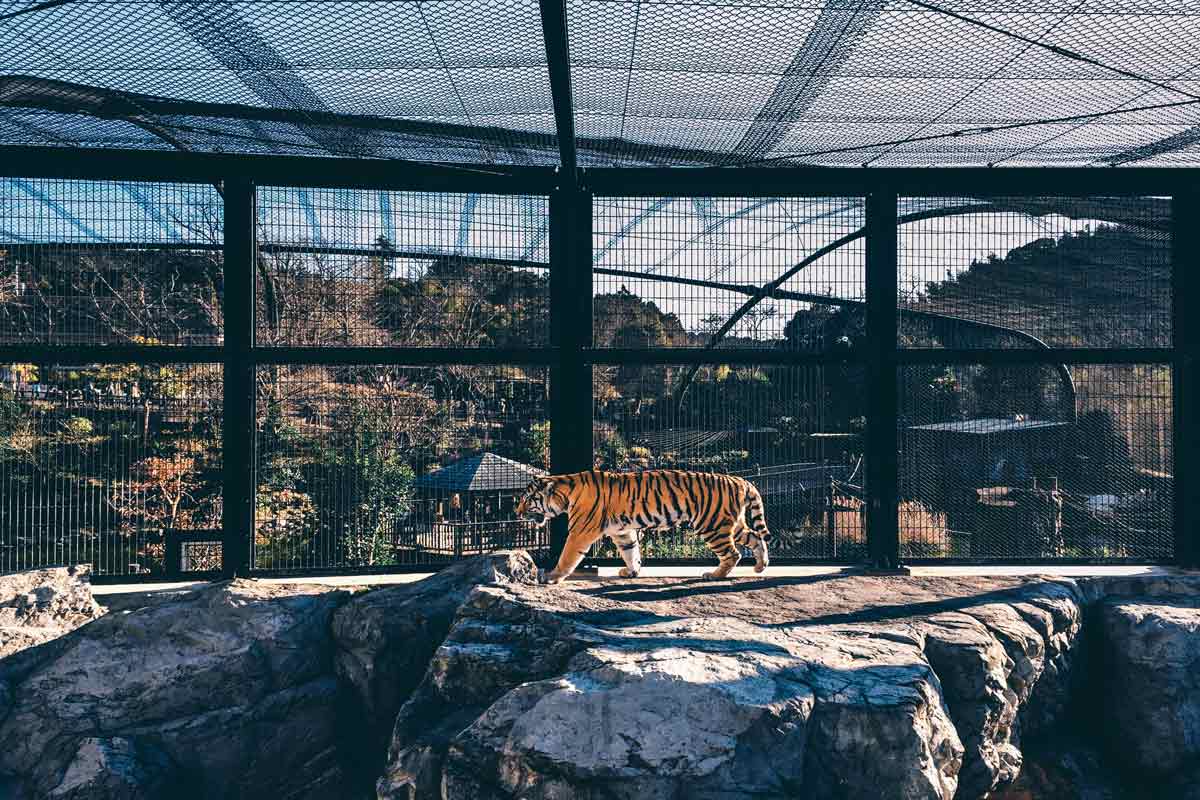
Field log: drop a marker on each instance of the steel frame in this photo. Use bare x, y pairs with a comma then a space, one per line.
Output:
570, 353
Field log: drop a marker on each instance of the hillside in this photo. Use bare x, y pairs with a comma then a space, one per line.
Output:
1107, 287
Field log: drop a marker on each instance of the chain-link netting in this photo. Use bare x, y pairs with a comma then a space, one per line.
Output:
838, 83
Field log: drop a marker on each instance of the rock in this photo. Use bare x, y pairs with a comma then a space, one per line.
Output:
232, 683
534, 697
1152, 681
1068, 769
41, 605
386, 637
113, 769
975, 672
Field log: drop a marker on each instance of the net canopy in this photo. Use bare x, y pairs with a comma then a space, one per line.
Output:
645, 82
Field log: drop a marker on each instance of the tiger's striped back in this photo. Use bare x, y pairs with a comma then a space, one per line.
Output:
726, 511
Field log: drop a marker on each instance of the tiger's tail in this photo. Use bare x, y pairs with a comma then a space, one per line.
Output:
756, 516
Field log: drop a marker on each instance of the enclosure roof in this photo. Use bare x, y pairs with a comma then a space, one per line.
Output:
613, 82
984, 426
486, 472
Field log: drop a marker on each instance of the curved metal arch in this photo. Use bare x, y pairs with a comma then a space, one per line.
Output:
385, 216
137, 196
790, 227
709, 229
934, 213
464, 223
57, 207
637, 220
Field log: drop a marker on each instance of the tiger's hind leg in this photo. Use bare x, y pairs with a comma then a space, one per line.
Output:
745, 537
631, 553
721, 542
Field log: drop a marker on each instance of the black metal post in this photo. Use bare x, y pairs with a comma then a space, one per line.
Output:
1185, 299
237, 429
571, 334
882, 468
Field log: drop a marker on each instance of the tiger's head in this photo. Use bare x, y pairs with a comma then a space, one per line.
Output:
540, 502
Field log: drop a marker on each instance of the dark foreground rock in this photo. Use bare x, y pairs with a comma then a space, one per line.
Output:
1152, 674
41, 605
385, 638
227, 691
499, 689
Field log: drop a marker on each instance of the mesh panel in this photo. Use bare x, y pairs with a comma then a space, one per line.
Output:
475, 65
791, 431
379, 466
1013, 272
1002, 462
107, 464
686, 272
838, 83
85, 262
341, 267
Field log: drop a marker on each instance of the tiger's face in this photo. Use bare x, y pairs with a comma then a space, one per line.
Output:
539, 503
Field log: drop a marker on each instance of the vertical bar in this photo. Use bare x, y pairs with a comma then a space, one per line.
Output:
237, 429
883, 535
1185, 299
570, 331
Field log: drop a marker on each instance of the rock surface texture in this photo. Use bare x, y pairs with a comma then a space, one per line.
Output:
41, 605
385, 638
227, 691
756, 688
480, 684
1152, 673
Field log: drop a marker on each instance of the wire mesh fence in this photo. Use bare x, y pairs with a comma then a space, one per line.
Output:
380, 466
1036, 271
357, 268
690, 272
374, 466
107, 262
788, 430
1023, 462
109, 464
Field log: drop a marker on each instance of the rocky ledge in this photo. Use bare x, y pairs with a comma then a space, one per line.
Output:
478, 683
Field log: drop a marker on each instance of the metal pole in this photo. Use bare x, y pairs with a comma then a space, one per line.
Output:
1185, 298
571, 333
882, 468
237, 430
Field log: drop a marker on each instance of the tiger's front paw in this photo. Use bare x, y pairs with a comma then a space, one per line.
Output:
548, 578
715, 576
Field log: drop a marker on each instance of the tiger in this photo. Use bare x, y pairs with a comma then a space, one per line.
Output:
725, 510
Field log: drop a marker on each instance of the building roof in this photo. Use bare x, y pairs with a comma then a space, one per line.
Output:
989, 425
486, 472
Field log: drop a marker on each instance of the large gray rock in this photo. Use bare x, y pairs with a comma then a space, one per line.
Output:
231, 684
540, 693
114, 769
386, 637
40, 605
1152, 679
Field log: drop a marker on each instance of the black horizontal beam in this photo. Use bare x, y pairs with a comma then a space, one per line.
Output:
905, 181
1052, 356
271, 170
109, 354
367, 173
430, 356
404, 356
698, 356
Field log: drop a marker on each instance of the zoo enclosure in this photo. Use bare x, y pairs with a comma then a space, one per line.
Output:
874, 271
